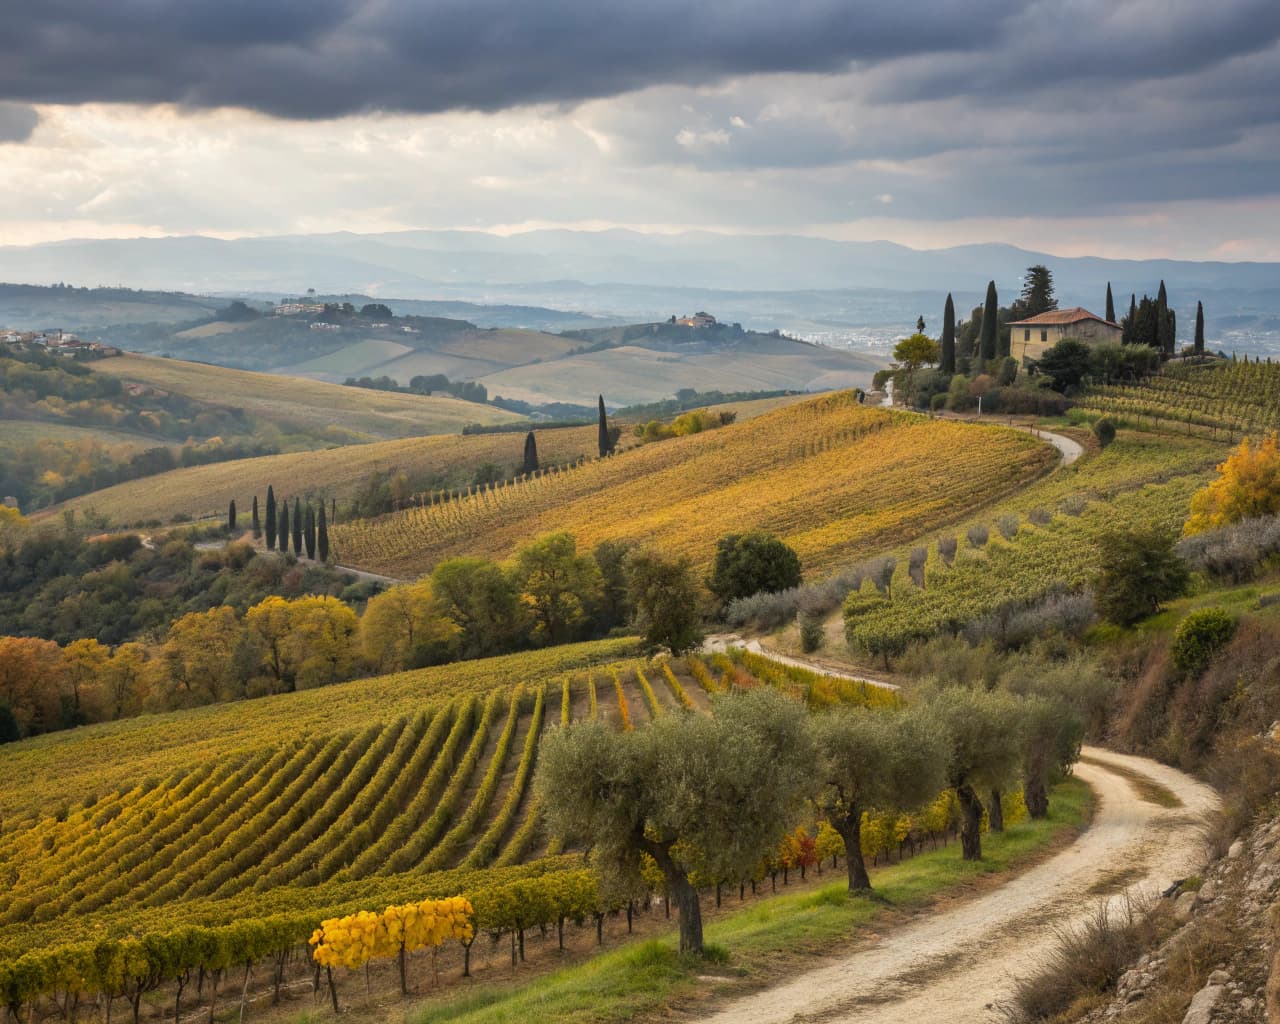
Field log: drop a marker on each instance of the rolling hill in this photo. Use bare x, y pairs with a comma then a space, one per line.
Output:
829, 476
345, 414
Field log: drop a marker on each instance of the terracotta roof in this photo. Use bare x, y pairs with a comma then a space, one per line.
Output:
1062, 316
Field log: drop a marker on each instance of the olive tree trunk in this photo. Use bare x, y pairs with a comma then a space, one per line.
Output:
1036, 797
850, 829
683, 894
996, 811
970, 823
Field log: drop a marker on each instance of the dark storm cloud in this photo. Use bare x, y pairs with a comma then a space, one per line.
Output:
17, 122
321, 58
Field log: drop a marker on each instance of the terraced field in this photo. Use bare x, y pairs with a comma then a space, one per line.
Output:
831, 477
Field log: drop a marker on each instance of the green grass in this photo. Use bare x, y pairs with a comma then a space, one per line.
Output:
644, 977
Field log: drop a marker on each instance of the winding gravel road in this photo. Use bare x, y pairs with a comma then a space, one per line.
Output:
954, 965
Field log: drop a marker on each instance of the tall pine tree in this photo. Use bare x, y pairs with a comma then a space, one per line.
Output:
602, 434
322, 536
990, 336
1199, 328
309, 531
282, 534
296, 523
948, 364
530, 465
257, 523
271, 518
1164, 329
1111, 305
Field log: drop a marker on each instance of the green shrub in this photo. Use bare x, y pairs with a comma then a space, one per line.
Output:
1105, 431
1200, 636
811, 633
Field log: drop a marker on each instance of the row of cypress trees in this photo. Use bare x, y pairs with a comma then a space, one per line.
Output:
306, 530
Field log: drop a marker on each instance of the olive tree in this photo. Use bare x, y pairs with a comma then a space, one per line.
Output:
715, 793
882, 760
1052, 732
984, 752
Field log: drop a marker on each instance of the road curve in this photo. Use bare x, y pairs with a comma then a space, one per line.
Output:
956, 964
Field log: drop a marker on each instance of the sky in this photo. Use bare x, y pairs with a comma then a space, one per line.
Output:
1123, 128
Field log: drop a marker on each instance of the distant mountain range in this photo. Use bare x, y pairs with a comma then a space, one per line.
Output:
844, 292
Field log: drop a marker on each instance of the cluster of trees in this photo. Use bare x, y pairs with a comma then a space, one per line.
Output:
974, 362
229, 647
694, 422
425, 384
713, 797
307, 531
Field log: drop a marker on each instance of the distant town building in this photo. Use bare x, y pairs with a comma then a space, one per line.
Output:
698, 319
320, 326
1029, 338
298, 308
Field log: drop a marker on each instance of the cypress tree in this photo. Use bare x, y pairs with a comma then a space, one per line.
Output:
309, 531
333, 511
257, 523
1130, 322
322, 538
602, 434
1164, 332
948, 364
231, 515
990, 336
1111, 305
271, 518
1199, 328
282, 534
530, 455
296, 523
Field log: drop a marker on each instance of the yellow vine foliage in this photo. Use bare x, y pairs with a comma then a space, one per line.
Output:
1248, 485
354, 940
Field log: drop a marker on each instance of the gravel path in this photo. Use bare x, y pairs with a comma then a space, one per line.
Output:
954, 965
722, 641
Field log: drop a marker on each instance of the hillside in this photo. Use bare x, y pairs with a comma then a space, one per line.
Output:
427, 463
829, 476
216, 816
344, 414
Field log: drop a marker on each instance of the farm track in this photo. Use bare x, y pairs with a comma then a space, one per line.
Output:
959, 964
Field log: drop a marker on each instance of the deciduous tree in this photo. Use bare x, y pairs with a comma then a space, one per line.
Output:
664, 593
557, 584
748, 563
1139, 571
405, 627
483, 602
1247, 487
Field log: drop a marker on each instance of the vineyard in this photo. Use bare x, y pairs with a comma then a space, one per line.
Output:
829, 476
378, 794
1223, 401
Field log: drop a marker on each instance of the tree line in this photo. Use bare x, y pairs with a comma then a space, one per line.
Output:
712, 797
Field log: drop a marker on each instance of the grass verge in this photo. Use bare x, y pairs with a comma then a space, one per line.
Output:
751, 947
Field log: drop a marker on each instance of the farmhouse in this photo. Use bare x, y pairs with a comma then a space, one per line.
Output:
1029, 338
699, 319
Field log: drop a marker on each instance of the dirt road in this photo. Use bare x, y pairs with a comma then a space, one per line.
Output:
955, 964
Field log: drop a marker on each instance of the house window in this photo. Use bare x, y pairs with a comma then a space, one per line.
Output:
1044, 335
1026, 334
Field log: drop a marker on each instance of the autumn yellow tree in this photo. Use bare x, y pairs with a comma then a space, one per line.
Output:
32, 678
13, 526
199, 653
124, 685
403, 626
309, 641
86, 659
1247, 486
